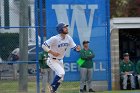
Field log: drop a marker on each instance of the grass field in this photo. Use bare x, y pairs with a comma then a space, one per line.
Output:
7, 86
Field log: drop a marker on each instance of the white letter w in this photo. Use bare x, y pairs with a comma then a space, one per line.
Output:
78, 19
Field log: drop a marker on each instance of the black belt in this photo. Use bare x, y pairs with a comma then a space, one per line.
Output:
56, 59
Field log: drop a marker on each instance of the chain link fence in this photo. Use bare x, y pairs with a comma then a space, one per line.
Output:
9, 77
12, 25
10, 64
19, 16
14, 21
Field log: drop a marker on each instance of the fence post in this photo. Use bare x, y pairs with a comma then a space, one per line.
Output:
41, 20
108, 44
23, 45
36, 29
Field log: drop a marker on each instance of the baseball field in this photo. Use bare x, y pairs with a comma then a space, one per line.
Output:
7, 86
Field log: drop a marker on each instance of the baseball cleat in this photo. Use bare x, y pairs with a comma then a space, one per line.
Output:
51, 89
91, 90
42, 91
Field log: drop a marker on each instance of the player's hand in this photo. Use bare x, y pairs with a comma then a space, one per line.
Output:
78, 48
45, 59
126, 73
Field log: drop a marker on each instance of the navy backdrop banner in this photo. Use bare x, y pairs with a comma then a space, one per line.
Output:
87, 20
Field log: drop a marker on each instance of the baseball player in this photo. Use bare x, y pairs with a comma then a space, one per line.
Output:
47, 73
127, 69
56, 47
15, 57
86, 69
138, 71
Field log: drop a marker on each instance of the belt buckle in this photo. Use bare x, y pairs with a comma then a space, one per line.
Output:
54, 58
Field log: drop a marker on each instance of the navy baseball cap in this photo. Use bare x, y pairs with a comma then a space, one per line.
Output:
60, 26
85, 42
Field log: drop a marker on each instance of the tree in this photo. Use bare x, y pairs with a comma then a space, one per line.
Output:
119, 8
125, 8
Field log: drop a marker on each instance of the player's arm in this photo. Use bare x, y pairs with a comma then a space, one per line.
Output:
83, 55
73, 45
78, 48
92, 55
46, 47
122, 72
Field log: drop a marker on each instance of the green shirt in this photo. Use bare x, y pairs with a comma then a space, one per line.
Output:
87, 55
42, 59
138, 67
126, 67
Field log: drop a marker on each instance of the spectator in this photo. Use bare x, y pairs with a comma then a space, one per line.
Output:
86, 69
127, 70
138, 71
47, 73
0, 60
14, 56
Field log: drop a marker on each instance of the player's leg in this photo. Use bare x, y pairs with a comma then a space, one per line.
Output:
83, 74
125, 77
44, 80
132, 80
57, 81
15, 69
139, 80
50, 76
59, 71
89, 79
62, 65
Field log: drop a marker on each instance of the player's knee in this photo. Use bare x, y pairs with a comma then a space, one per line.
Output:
61, 80
62, 73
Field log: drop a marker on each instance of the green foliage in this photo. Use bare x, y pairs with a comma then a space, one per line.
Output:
124, 8
8, 42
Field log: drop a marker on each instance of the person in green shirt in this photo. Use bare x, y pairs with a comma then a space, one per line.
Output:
127, 68
47, 73
86, 69
138, 71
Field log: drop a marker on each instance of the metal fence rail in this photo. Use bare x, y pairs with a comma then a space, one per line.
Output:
14, 22
9, 77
